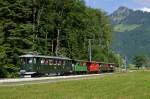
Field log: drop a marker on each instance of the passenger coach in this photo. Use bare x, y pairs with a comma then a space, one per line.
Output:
36, 65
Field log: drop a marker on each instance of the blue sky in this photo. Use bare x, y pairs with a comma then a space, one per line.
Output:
111, 5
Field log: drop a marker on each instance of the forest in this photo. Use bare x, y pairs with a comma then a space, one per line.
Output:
52, 27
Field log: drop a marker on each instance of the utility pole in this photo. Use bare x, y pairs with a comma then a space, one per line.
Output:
125, 62
90, 53
57, 42
46, 50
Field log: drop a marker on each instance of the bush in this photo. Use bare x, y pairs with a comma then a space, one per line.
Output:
9, 71
3, 72
12, 70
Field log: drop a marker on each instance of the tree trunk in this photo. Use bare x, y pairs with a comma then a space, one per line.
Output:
52, 47
40, 11
34, 19
46, 44
57, 42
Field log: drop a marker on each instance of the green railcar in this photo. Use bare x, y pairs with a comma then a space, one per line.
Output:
80, 66
39, 64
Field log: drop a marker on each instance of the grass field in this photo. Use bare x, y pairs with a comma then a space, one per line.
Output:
135, 85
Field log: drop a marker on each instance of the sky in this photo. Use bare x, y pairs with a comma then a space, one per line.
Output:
111, 5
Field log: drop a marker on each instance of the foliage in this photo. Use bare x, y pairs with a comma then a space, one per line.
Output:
139, 60
51, 27
132, 67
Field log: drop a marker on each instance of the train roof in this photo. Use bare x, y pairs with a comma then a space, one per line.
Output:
30, 55
93, 62
88, 61
43, 56
80, 60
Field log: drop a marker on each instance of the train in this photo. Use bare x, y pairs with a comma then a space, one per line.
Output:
36, 65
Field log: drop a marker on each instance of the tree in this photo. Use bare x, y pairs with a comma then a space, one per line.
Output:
139, 60
51, 27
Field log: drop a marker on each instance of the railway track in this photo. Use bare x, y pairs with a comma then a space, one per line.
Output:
24, 81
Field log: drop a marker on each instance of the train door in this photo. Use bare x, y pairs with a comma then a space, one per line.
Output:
59, 67
35, 67
38, 64
51, 65
23, 63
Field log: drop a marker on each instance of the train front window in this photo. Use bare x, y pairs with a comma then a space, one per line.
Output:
34, 60
29, 60
22, 61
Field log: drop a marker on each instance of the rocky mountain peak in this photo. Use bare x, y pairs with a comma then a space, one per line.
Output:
125, 15
122, 11
120, 14
123, 8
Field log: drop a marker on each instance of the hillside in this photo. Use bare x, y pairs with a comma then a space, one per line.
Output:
51, 27
132, 32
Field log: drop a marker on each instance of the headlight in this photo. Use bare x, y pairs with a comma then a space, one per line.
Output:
22, 71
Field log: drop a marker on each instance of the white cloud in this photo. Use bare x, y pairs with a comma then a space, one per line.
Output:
145, 9
142, 1
146, 1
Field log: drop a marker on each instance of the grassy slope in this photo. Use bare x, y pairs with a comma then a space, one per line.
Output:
118, 86
125, 27
132, 40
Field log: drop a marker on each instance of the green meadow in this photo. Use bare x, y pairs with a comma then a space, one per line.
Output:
125, 27
135, 85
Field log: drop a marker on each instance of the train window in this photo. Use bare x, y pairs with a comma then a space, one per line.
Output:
55, 62
22, 60
59, 62
73, 65
106, 65
81, 64
67, 62
50, 62
42, 61
84, 64
46, 61
29, 60
64, 62
100, 65
111, 66
34, 60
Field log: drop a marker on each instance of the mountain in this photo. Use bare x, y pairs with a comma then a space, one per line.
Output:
131, 32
